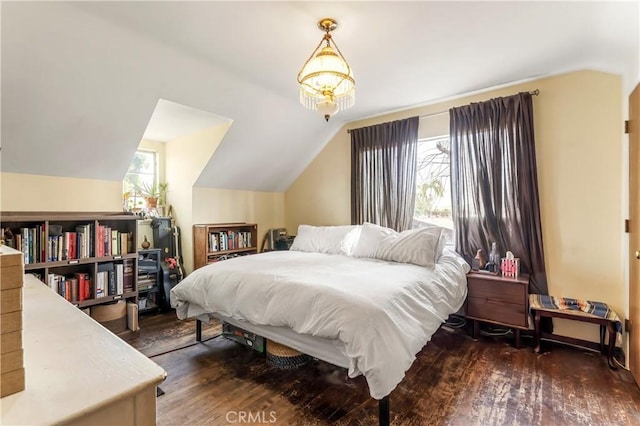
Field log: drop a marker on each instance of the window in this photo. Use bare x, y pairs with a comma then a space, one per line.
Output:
433, 181
143, 171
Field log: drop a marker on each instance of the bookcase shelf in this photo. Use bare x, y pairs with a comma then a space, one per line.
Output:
150, 297
79, 255
86, 261
219, 241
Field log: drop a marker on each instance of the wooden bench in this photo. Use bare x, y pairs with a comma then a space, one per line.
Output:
606, 325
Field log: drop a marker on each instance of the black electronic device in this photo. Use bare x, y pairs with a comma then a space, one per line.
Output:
276, 239
243, 337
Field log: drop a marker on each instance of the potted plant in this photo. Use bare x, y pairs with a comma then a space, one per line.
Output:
162, 189
150, 192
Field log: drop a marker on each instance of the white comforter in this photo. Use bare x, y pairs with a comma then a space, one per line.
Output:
384, 312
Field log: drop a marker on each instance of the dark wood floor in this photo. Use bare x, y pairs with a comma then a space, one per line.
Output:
454, 381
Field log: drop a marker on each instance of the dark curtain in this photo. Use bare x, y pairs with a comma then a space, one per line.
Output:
494, 182
383, 173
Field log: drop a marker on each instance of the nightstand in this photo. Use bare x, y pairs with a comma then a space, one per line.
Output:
498, 300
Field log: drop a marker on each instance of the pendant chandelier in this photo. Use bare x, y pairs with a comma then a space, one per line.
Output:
326, 79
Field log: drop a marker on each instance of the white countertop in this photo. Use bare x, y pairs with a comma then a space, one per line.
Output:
73, 365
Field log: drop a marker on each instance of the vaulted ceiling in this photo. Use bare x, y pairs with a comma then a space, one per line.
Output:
81, 80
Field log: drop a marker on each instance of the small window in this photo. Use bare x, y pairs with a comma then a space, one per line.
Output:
433, 184
143, 171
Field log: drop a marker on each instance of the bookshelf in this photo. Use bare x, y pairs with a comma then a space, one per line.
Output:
220, 241
150, 294
87, 258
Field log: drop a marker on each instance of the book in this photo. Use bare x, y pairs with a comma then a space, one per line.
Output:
106, 241
73, 283
119, 278
51, 282
73, 248
83, 293
100, 245
89, 287
115, 242
81, 245
101, 283
122, 236
67, 289
110, 279
132, 316
60, 246
127, 275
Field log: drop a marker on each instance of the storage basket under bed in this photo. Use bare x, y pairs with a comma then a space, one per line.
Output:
284, 357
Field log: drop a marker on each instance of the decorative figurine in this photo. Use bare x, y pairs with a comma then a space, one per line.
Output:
479, 261
145, 244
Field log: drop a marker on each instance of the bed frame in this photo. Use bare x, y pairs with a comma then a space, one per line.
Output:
383, 404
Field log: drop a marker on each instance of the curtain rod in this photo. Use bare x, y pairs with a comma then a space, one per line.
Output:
434, 114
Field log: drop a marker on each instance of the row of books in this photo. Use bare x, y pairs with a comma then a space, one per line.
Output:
31, 242
146, 282
111, 279
59, 245
114, 242
229, 240
74, 288
219, 257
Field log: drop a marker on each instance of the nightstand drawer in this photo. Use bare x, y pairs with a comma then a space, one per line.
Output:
497, 311
503, 291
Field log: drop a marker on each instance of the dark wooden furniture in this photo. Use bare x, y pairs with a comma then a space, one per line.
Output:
110, 238
498, 300
605, 324
220, 241
150, 281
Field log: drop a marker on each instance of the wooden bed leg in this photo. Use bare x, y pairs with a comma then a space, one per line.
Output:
476, 329
198, 330
612, 345
383, 411
536, 326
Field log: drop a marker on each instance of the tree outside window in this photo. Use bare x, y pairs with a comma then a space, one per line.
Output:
142, 172
433, 180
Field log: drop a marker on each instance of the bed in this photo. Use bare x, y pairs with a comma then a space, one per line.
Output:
361, 297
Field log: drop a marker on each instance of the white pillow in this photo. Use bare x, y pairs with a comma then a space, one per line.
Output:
446, 239
417, 246
326, 239
348, 243
371, 237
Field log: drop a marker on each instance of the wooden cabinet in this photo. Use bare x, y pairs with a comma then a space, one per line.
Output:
77, 372
498, 300
220, 241
87, 258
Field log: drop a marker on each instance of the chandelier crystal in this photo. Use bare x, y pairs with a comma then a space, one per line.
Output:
326, 79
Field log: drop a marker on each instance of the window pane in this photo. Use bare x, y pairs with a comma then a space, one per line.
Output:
433, 180
142, 172
143, 162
